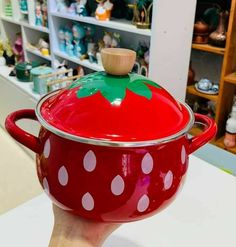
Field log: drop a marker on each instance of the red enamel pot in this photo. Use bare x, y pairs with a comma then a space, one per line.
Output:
112, 148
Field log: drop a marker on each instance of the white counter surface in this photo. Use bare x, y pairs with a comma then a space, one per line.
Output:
203, 215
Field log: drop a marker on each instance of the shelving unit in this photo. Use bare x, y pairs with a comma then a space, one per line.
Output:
227, 81
9, 26
191, 90
164, 53
209, 48
122, 25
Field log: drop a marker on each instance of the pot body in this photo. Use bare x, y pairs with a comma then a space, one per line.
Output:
111, 184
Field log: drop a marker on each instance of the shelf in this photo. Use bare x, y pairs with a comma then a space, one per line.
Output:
209, 48
84, 63
37, 53
11, 20
26, 12
121, 24
231, 78
25, 24
191, 90
38, 28
220, 143
26, 87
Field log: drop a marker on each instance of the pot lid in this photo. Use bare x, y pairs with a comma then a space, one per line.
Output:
115, 108
41, 70
26, 65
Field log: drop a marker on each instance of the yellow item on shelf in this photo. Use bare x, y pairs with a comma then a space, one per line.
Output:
45, 52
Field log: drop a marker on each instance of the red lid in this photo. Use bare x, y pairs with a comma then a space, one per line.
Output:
104, 109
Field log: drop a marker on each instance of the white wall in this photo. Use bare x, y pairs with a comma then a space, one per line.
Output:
172, 29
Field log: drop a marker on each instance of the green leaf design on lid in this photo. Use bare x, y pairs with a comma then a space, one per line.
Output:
113, 88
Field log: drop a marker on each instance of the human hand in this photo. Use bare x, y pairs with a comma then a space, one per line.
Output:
73, 231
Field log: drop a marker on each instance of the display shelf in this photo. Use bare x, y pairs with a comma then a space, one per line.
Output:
38, 28
26, 87
24, 12
220, 143
191, 90
209, 48
37, 53
85, 62
122, 25
11, 20
25, 24
231, 78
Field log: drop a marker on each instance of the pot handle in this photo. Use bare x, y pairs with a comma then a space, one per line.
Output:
20, 135
208, 134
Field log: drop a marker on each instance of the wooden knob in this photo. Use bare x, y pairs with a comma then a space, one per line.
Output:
118, 61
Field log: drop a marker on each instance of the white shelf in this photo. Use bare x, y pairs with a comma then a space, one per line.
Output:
26, 87
123, 25
24, 12
84, 63
37, 53
25, 24
11, 20
38, 28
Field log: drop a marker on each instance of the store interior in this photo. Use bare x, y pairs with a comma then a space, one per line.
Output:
47, 46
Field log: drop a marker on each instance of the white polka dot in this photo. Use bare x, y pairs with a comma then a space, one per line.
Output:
147, 163
117, 185
143, 204
183, 155
63, 176
168, 180
88, 202
47, 149
46, 186
90, 161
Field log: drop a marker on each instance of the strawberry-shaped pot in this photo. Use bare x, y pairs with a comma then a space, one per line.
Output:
113, 146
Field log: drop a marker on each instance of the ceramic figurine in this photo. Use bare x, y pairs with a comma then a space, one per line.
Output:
62, 41
8, 8
23, 5
18, 48
142, 13
142, 61
230, 135
8, 53
92, 52
71, 8
103, 11
43, 47
115, 42
61, 6
69, 47
98, 54
90, 31
45, 14
38, 15
81, 7
79, 33
79, 71
107, 39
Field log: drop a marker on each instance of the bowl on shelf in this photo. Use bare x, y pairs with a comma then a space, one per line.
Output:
108, 137
207, 87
